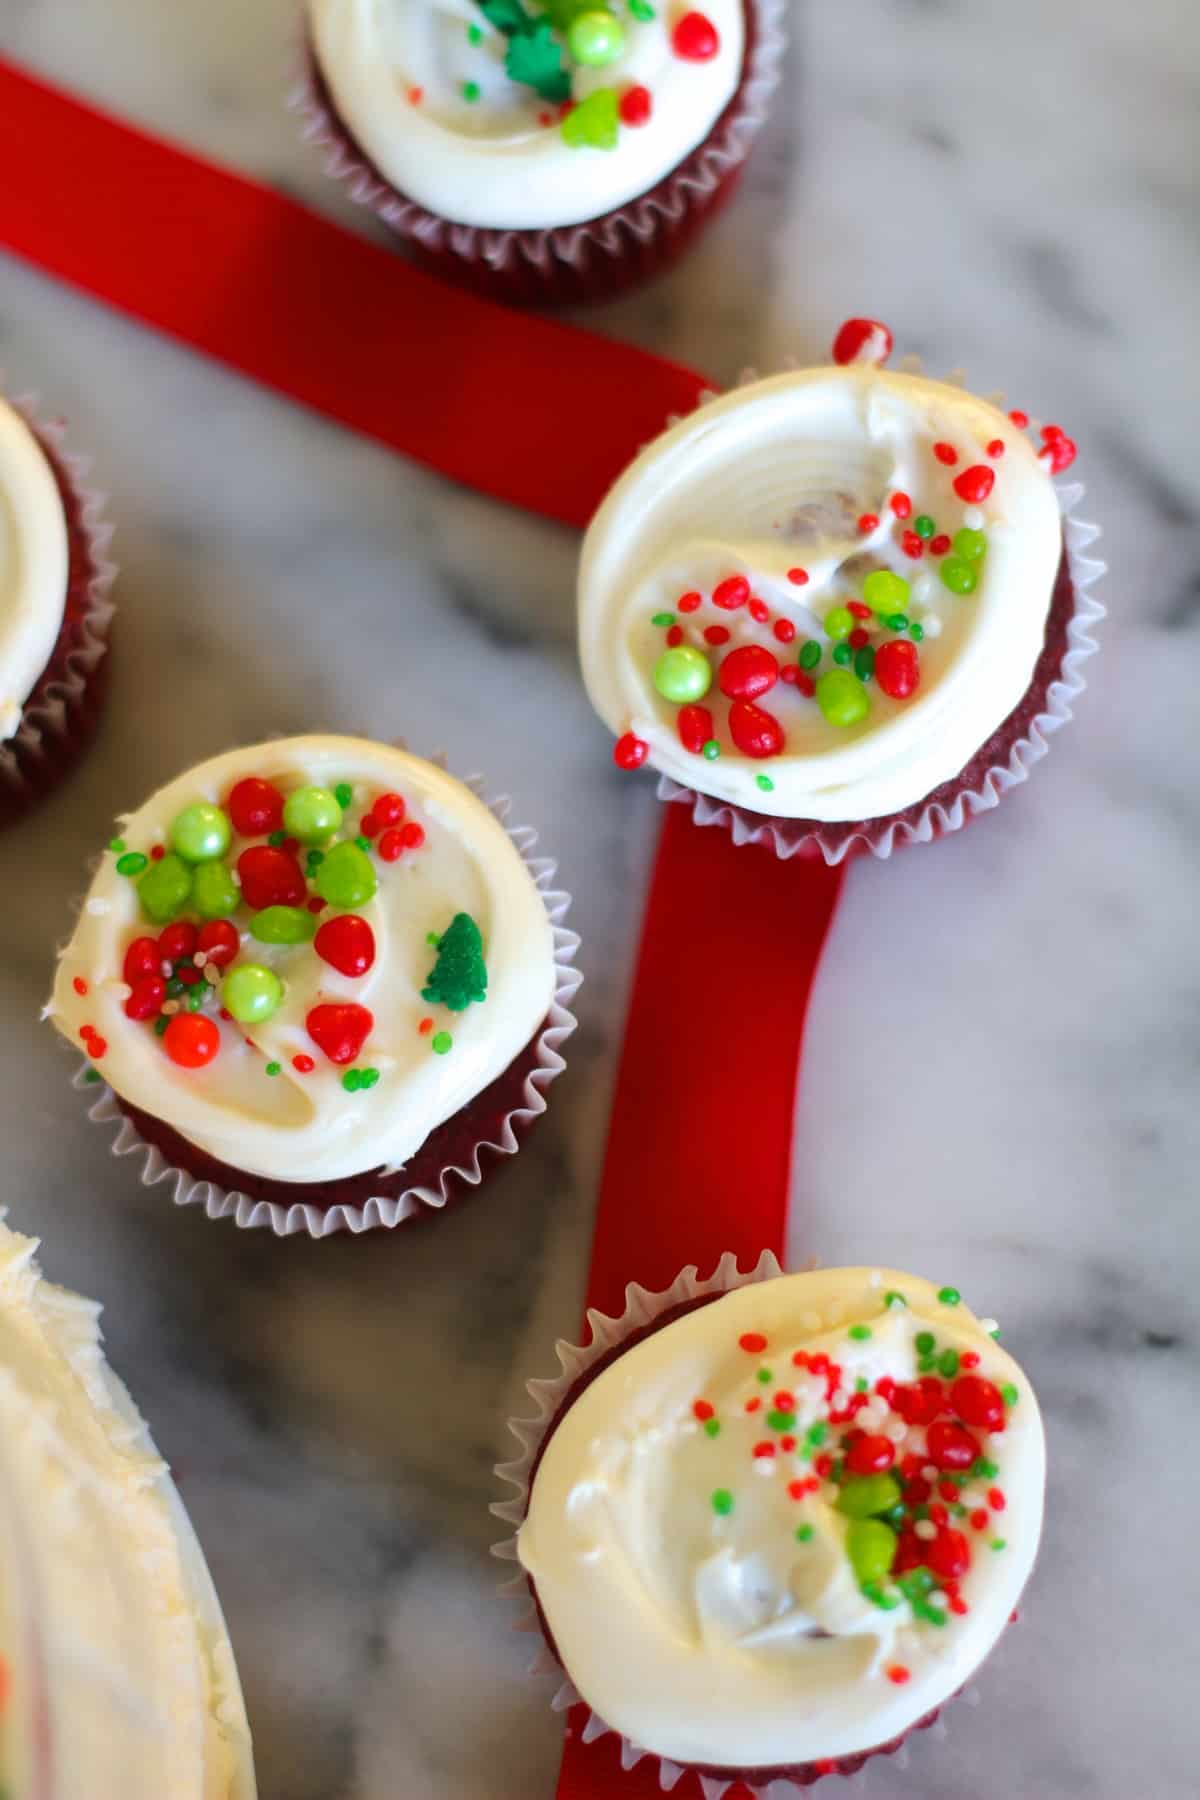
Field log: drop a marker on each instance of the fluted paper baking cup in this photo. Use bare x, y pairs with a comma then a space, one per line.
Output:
644, 1313
487, 1128
60, 716
565, 263
1000, 764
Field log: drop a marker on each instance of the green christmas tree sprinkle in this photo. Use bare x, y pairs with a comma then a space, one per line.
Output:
459, 974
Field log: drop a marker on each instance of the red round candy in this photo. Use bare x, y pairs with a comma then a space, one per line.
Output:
270, 877
368, 825
870, 1455
391, 845
731, 593
255, 807
858, 639
389, 809
975, 483
146, 1000
340, 1029
412, 835
191, 1040
1058, 454
142, 958
219, 940
630, 751
901, 505
347, 943
919, 1402
978, 1402
748, 672
695, 727
939, 545
946, 453
950, 1446
695, 38
755, 732
898, 668
912, 545
862, 340
948, 1554
636, 105
177, 941
910, 1553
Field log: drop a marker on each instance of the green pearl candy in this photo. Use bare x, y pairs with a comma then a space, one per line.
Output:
215, 894
810, 654
165, 888
132, 863
251, 993
683, 674
864, 663
865, 1495
870, 1545
970, 545
885, 592
283, 925
841, 697
924, 526
595, 39
346, 877
200, 832
839, 623
842, 654
312, 814
710, 750
958, 575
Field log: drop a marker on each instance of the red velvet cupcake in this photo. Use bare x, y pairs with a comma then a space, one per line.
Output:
325, 985
770, 1524
540, 151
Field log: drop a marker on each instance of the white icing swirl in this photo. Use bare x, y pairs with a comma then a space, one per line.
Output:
685, 1608
33, 565
397, 71
776, 476
304, 1126
120, 1666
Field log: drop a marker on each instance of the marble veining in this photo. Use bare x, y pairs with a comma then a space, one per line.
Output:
1000, 1078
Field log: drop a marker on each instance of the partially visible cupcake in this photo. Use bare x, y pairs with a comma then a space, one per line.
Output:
838, 605
54, 611
322, 980
772, 1523
541, 150
116, 1668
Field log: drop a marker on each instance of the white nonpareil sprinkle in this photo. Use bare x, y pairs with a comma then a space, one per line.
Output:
925, 1528
973, 518
764, 1465
97, 907
932, 625
170, 1006
896, 1430
929, 1472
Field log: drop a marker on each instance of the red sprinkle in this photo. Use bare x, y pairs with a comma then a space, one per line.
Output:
996, 447
1020, 419
975, 483
858, 638
157, 852
80, 985
898, 1673
912, 545
425, 1027
97, 1047
901, 505
636, 105
805, 683
687, 603
316, 904
674, 636
785, 1402
797, 1489
753, 1342
787, 1441
939, 545
389, 809
753, 1403
413, 835
857, 609
764, 1449
695, 727
759, 609
369, 825
415, 96
630, 752
946, 453
862, 340
731, 593
996, 1500
798, 577
715, 634
391, 846
823, 1464
868, 522
695, 38
785, 631
303, 1065
790, 674
970, 1359
702, 1410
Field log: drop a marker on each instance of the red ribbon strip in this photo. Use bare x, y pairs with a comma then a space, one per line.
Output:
699, 1151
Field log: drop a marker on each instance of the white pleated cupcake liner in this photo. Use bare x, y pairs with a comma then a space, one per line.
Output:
468, 1171
922, 824
550, 1395
49, 718
665, 206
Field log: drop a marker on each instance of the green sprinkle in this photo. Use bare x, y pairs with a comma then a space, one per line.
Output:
860, 1333
722, 1501
994, 1332
432, 939
886, 1599
470, 90
474, 35
663, 619
368, 1078
842, 654
196, 994
816, 1434
861, 1385
781, 1421
764, 1375
343, 793
276, 838
925, 1342
949, 1296
804, 1534
160, 1024
442, 1041
999, 1543
948, 1363
765, 783
921, 1511
810, 654
898, 621
174, 988
92, 1075
924, 526
916, 1583
352, 1081
641, 9
916, 632
959, 1510
1008, 1393
984, 1470
894, 1297
132, 863
364, 843
712, 1427
711, 749
274, 1068
864, 662
314, 859
116, 845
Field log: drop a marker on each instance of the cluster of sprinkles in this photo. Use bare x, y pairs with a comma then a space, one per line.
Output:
298, 883
906, 1465
867, 638
547, 46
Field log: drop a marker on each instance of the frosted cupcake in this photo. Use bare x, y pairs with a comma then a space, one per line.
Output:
322, 979
770, 1528
543, 150
116, 1665
838, 603
54, 611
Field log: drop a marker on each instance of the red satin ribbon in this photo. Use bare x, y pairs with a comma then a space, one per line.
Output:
699, 1150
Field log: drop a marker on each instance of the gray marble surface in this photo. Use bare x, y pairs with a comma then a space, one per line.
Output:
1001, 1069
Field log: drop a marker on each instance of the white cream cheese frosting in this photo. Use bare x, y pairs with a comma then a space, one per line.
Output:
331, 1066
423, 88
33, 565
120, 1675
758, 1542
878, 549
